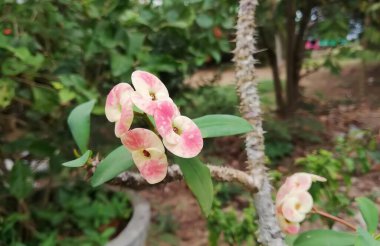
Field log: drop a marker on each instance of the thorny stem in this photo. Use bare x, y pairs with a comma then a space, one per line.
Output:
219, 173
330, 216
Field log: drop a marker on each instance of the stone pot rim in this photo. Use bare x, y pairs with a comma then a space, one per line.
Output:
138, 225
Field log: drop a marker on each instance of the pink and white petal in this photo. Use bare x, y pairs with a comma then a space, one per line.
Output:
190, 143
300, 181
289, 210
118, 96
112, 108
152, 164
146, 83
287, 226
296, 205
162, 94
144, 103
164, 115
122, 126
123, 91
305, 202
140, 138
284, 190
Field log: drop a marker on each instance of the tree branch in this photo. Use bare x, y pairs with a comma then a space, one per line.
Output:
224, 174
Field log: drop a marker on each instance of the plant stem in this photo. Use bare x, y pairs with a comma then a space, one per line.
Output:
330, 216
219, 173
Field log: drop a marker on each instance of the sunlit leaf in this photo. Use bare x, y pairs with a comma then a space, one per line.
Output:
118, 161
217, 125
369, 212
325, 238
79, 161
79, 123
198, 178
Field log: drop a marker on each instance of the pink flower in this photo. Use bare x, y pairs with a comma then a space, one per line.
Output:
293, 201
148, 153
119, 107
297, 182
181, 135
149, 91
296, 206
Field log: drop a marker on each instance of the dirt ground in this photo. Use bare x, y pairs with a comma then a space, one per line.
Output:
345, 100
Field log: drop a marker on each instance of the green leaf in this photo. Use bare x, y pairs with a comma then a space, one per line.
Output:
45, 100
120, 64
365, 239
118, 161
7, 91
20, 180
79, 161
369, 212
217, 125
204, 21
290, 239
325, 238
198, 178
136, 40
79, 123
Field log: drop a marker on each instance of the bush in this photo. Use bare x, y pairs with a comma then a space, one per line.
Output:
353, 154
61, 215
73, 51
208, 100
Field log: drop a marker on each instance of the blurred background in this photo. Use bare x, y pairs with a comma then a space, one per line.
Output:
318, 64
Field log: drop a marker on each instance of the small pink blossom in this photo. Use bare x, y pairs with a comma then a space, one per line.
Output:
149, 91
297, 182
148, 153
119, 109
180, 134
293, 202
296, 206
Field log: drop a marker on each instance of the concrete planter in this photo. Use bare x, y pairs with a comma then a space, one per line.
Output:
136, 232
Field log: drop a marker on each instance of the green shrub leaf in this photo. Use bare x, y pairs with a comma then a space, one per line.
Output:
369, 212
198, 178
79, 123
365, 239
79, 161
118, 161
217, 125
20, 180
325, 238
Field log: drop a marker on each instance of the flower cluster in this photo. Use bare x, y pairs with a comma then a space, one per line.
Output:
180, 135
293, 201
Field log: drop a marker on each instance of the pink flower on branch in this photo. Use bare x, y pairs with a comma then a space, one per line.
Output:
293, 202
119, 109
148, 153
180, 134
149, 91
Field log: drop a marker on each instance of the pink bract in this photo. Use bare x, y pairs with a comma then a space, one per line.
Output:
180, 134
119, 107
149, 91
295, 207
148, 153
293, 201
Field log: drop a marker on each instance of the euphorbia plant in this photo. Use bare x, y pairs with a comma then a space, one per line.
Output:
168, 137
